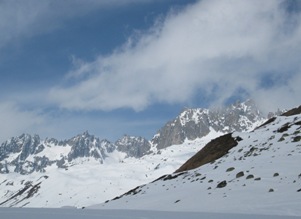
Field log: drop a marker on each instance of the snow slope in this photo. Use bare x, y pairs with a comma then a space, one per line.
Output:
261, 175
86, 182
85, 170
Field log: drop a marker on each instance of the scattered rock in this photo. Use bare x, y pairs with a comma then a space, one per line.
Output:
257, 179
297, 139
271, 190
238, 138
240, 174
222, 184
284, 128
276, 174
177, 201
230, 169
250, 176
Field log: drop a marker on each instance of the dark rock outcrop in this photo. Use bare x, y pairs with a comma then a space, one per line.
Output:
214, 150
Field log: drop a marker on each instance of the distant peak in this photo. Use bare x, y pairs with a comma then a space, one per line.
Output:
86, 133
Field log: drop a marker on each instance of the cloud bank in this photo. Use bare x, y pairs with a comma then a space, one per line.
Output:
214, 48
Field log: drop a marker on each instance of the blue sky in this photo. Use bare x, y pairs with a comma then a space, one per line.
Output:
116, 67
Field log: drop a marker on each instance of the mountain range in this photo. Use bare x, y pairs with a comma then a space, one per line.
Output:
85, 170
28, 153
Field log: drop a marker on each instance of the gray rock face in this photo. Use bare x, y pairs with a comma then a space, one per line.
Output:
87, 145
133, 146
24, 144
25, 154
196, 123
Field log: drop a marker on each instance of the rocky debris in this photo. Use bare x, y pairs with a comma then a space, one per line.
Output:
222, 184
240, 174
230, 169
250, 176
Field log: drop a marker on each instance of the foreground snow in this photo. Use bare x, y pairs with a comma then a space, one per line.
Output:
261, 175
28, 213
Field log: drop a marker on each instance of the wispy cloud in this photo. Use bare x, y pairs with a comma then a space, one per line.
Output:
15, 120
22, 19
62, 125
214, 47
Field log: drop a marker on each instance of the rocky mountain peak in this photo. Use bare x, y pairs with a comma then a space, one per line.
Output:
25, 144
196, 123
86, 145
133, 146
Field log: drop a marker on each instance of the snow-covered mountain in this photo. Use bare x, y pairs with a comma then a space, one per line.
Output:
28, 153
85, 181
133, 146
256, 172
85, 170
197, 123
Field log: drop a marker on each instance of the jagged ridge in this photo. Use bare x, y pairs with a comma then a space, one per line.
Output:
26, 154
197, 123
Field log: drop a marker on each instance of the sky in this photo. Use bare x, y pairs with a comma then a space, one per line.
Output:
116, 67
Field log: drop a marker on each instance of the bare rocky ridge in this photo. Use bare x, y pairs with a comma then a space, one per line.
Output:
133, 146
212, 151
197, 123
25, 154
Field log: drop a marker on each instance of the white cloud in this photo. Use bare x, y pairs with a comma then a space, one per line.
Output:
214, 47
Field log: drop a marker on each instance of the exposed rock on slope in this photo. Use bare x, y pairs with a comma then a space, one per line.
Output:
213, 150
